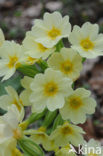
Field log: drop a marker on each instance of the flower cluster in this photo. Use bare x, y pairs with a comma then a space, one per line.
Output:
50, 70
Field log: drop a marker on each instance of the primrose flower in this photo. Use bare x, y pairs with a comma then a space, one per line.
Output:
12, 98
86, 40
2, 38
67, 133
67, 61
51, 29
9, 148
11, 56
25, 94
34, 49
49, 90
65, 151
41, 138
77, 105
9, 128
94, 148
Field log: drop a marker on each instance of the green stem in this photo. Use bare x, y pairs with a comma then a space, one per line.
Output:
43, 65
83, 59
32, 118
59, 46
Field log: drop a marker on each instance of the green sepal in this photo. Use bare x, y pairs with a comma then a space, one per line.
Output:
31, 119
49, 118
57, 121
42, 64
59, 45
28, 70
29, 147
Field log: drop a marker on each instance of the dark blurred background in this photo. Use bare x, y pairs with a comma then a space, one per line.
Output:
17, 16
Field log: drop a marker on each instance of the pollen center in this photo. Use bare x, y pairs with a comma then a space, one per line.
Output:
66, 130
50, 89
75, 102
41, 47
87, 44
66, 67
54, 33
12, 61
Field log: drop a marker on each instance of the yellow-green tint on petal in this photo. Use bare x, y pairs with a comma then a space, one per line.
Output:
24, 125
54, 33
50, 88
41, 135
16, 152
66, 67
87, 44
75, 102
17, 133
15, 102
42, 129
41, 47
12, 61
31, 60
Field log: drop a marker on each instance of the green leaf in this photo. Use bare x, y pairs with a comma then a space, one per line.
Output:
14, 82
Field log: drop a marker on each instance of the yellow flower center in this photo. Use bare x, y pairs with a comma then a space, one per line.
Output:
54, 33
41, 47
17, 134
66, 67
75, 102
31, 60
50, 89
15, 102
16, 152
12, 61
87, 44
66, 130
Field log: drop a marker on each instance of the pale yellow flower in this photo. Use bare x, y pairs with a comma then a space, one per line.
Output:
67, 61
7, 148
49, 90
12, 98
51, 29
94, 148
34, 49
9, 128
67, 133
77, 105
25, 94
2, 38
86, 40
65, 151
12, 56
41, 138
